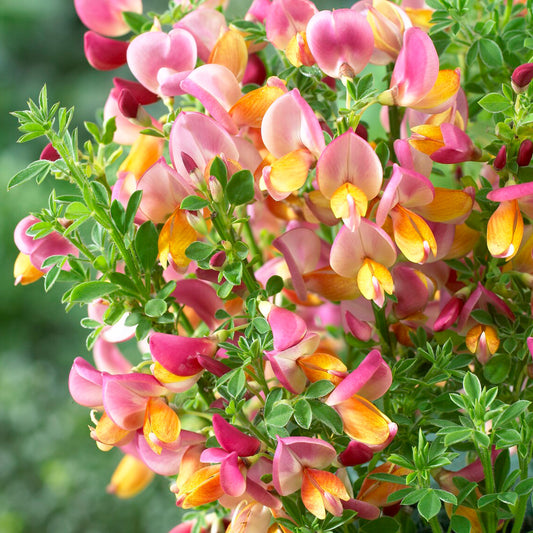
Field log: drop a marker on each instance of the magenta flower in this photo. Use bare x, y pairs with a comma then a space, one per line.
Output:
103, 53
341, 42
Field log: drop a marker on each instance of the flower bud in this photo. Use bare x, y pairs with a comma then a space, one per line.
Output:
501, 159
49, 153
521, 77
524, 153
483, 341
130, 477
131, 109
215, 188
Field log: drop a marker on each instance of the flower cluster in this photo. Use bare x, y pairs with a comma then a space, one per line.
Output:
328, 278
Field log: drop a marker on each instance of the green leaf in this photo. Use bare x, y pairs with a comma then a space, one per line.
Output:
91, 290
472, 386
51, 277
125, 282
198, 251
233, 272
497, 368
155, 308
482, 316
511, 413
100, 192
327, 415
490, 53
414, 497
481, 439
303, 414
110, 127
280, 415
236, 383
219, 170
118, 214
261, 325
524, 487
131, 209
509, 498
494, 103
274, 396
167, 290
486, 499
146, 245
446, 496
274, 285
319, 389
381, 525
193, 203
38, 170
240, 188
76, 210
429, 505
382, 151
135, 21
460, 524
459, 435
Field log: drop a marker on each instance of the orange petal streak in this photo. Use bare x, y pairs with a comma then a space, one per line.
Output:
175, 237
322, 491
201, 488
250, 109
161, 421
505, 230
231, 51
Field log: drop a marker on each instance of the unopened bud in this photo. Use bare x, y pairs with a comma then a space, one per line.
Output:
215, 188
521, 77
501, 159
525, 152
483, 341
49, 153
196, 222
192, 169
140, 92
131, 109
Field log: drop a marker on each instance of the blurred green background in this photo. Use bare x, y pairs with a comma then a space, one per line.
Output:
53, 477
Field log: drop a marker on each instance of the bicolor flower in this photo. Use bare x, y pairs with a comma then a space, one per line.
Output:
349, 174
416, 80
483, 341
38, 250
179, 361
377, 492
351, 398
234, 444
292, 340
105, 16
341, 42
388, 22
292, 134
230, 51
365, 255
299, 463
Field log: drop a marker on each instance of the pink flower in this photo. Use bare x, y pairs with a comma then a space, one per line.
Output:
341, 42
103, 53
105, 16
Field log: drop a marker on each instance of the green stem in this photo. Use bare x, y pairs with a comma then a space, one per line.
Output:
507, 15
485, 456
250, 240
435, 525
521, 506
394, 128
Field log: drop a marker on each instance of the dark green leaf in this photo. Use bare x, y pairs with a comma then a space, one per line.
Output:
446, 496
524, 487
274, 285
327, 415
414, 497
125, 282
236, 383
274, 396
472, 386
219, 170
38, 170
240, 188
100, 192
490, 53
118, 214
146, 245
303, 414
460, 524
497, 368
381, 525
91, 290
193, 203
459, 435
511, 413
319, 389
131, 209
233, 272
198, 251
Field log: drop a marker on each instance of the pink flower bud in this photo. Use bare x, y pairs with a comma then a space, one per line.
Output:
103, 53
341, 42
255, 71
141, 94
501, 159
49, 153
524, 153
521, 77
105, 16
